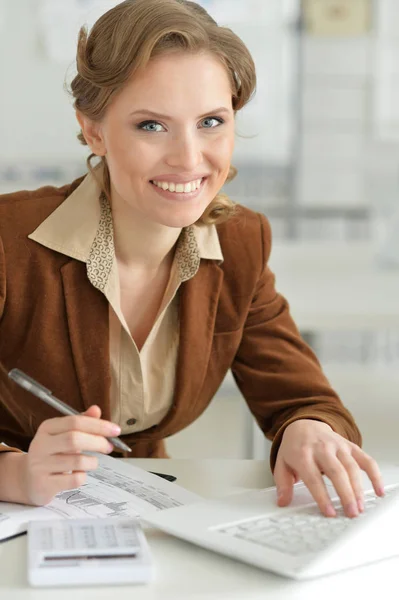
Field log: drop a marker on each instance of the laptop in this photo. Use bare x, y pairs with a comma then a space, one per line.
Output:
295, 541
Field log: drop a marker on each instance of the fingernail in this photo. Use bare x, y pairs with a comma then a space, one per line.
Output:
380, 490
360, 504
115, 430
110, 448
351, 510
330, 511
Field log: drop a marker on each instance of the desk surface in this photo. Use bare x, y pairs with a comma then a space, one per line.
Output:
185, 571
336, 285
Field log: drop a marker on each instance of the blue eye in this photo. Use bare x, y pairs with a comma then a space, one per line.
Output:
142, 126
220, 121
145, 124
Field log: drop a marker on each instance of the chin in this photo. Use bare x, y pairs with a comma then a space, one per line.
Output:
181, 219
178, 223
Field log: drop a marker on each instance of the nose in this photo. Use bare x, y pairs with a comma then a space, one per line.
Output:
184, 152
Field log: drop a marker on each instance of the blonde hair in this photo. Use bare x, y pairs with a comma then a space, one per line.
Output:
132, 33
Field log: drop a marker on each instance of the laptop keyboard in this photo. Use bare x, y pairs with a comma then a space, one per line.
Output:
305, 531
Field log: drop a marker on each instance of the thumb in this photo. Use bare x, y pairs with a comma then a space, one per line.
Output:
284, 480
93, 411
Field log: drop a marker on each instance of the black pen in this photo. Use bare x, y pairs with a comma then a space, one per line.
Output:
46, 395
164, 476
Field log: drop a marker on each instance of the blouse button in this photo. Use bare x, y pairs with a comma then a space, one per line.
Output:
131, 421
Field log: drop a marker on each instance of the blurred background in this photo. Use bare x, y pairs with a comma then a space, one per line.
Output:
317, 151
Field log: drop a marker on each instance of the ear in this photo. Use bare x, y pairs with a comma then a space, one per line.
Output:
92, 133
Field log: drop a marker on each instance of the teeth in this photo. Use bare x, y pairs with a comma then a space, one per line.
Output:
179, 187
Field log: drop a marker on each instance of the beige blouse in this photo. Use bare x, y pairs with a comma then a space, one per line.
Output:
142, 383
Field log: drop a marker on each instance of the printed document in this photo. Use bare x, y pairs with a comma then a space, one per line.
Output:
115, 489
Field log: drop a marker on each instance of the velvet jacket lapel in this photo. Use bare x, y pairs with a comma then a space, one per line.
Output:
87, 316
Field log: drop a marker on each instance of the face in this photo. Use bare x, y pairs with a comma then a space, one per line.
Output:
187, 136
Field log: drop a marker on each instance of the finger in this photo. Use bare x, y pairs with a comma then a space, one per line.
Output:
82, 423
284, 479
73, 442
311, 477
56, 484
353, 472
338, 476
370, 466
67, 481
64, 463
93, 411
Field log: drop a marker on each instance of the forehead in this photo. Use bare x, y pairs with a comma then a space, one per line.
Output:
176, 79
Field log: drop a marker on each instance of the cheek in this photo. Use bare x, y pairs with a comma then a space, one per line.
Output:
128, 159
121, 145
222, 150
117, 156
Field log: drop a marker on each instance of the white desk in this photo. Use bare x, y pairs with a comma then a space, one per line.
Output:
185, 571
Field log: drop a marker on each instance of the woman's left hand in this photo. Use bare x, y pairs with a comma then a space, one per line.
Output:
310, 449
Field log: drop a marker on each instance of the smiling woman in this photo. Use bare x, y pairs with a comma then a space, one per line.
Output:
139, 285
182, 52
192, 143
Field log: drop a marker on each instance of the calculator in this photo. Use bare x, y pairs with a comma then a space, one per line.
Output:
92, 551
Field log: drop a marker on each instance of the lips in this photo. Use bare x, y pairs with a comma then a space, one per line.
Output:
202, 181
180, 178
179, 196
176, 182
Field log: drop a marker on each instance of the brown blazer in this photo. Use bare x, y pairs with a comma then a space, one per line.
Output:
54, 326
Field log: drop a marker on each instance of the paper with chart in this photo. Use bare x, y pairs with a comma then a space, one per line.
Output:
114, 489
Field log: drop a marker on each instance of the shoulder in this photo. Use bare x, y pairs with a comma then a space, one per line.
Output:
22, 211
246, 236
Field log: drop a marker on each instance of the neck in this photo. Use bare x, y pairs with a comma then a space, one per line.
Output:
138, 242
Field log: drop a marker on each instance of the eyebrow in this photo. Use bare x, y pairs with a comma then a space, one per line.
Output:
221, 109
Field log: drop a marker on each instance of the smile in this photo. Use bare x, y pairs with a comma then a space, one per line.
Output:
180, 188
179, 191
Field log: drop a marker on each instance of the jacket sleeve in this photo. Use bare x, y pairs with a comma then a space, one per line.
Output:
277, 373
10, 430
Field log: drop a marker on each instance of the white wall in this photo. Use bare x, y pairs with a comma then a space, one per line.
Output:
349, 148
36, 120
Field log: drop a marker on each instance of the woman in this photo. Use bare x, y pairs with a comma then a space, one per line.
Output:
131, 291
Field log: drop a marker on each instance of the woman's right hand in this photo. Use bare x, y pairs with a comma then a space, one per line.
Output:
55, 461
